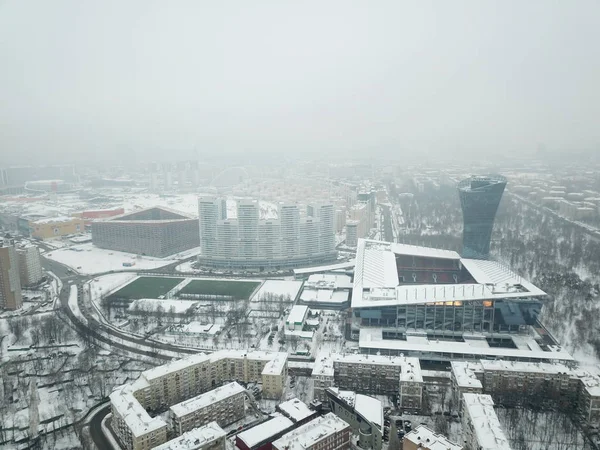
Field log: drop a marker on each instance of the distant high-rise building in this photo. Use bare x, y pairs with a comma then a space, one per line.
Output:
251, 242
10, 284
479, 199
209, 210
30, 266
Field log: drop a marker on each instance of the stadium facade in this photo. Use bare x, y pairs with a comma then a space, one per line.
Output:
157, 232
416, 300
479, 199
250, 242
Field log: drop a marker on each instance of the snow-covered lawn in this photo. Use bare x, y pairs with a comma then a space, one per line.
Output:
107, 283
87, 259
285, 288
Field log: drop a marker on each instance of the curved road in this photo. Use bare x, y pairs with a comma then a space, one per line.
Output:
96, 433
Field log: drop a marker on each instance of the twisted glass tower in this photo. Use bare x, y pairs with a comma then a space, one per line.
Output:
479, 199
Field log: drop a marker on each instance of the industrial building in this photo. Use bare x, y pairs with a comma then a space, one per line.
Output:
10, 283
156, 231
479, 199
183, 379
252, 242
372, 374
54, 227
327, 432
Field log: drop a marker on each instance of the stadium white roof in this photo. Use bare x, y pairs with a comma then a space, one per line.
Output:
376, 281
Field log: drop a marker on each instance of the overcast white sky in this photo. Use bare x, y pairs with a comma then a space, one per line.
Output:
162, 78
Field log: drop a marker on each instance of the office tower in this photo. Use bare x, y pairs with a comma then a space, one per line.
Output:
479, 199
10, 285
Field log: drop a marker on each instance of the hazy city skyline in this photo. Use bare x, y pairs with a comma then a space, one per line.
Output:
116, 79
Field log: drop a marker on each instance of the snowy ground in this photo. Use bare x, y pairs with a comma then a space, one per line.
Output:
285, 288
89, 260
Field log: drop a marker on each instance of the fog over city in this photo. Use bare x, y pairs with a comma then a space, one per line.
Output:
277, 225
141, 79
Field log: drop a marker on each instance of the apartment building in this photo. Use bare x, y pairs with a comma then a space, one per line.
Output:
327, 432
30, 265
543, 384
180, 380
10, 283
274, 376
223, 405
133, 425
209, 437
371, 374
423, 438
481, 427
250, 241
364, 414
465, 377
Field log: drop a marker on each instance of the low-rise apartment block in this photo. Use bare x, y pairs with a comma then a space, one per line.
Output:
481, 427
161, 387
364, 414
223, 405
182, 379
327, 432
132, 423
423, 438
371, 374
208, 437
541, 384
274, 375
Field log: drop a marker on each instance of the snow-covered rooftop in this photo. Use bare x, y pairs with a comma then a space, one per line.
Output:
135, 416
276, 365
194, 439
297, 314
199, 358
307, 270
464, 374
410, 368
309, 434
329, 281
486, 426
296, 409
324, 295
369, 408
376, 281
423, 437
264, 431
59, 219
208, 398
371, 339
